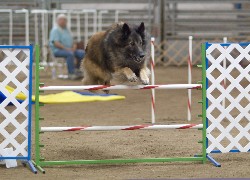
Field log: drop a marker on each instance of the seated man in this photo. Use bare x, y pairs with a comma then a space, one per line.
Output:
61, 44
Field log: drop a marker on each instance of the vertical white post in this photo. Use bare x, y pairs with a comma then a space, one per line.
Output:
69, 20
225, 67
46, 19
117, 12
54, 18
44, 31
36, 28
11, 28
26, 12
116, 15
152, 80
27, 41
10, 23
86, 28
100, 19
78, 26
94, 22
190, 59
43, 39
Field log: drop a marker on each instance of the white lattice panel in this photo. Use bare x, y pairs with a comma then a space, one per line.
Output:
14, 71
228, 125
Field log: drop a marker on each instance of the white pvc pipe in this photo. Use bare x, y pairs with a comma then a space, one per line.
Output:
94, 22
26, 12
10, 23
44, 34
46, 45
10, 28
100, 18
43, 38
86, 28
94, 17
27, 41
54, 18
113, 128
152, 80
190, 39
46, 28
120, 87
36, 29
117, 12
78, 26
116, 15
69, 20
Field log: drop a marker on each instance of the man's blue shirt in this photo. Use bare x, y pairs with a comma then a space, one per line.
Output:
61, 35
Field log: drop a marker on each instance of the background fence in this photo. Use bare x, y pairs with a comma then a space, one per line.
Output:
174, 52
169, 21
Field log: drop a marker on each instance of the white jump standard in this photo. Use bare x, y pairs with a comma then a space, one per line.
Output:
15, 142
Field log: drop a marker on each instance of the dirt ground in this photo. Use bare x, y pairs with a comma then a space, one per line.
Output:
171, 108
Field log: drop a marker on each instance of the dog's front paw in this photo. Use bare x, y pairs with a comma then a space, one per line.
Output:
145, 80
132, 78
144, 76
148, 72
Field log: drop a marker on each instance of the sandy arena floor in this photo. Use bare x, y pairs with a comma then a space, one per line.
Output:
135, 109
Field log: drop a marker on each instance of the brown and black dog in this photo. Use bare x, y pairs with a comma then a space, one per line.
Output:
121, 49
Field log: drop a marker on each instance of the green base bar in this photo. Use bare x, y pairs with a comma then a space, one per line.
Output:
119, 161
39, 167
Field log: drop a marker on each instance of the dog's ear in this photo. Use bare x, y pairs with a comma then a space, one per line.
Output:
141, 28
126, 30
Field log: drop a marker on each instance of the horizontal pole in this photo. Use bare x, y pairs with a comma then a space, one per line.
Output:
119, 161
113, 128
119, 87
5, 10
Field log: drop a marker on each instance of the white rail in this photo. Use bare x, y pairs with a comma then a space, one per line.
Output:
119, 87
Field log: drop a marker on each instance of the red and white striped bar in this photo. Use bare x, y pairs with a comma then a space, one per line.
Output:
119, 87
114, 128
190, 59
152, 80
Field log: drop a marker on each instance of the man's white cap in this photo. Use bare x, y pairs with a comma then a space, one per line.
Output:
61, 16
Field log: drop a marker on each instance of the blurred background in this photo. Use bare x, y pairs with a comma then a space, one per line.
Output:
171, 22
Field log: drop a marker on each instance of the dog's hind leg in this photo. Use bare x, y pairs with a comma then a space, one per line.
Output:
87, 80
106, 83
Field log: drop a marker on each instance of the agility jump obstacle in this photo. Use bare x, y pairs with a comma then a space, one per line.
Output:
15, 121
40, 162
213, 127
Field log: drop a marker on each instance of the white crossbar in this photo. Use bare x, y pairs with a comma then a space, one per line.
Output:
113, 128
119, 87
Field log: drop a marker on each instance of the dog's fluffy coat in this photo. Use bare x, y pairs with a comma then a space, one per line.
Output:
121, 49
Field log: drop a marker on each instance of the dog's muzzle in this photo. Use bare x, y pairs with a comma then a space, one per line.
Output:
139, 58
142, 54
